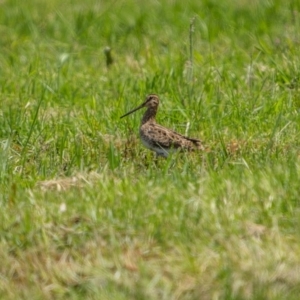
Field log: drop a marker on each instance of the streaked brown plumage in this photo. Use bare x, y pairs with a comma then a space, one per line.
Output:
158, 138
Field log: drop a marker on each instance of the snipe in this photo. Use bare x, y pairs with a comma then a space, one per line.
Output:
158, 138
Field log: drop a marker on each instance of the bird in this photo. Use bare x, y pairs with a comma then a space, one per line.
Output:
157, 138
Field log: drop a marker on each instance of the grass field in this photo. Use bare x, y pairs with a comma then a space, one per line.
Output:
87, 212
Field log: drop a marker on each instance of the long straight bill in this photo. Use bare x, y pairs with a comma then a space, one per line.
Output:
132, 111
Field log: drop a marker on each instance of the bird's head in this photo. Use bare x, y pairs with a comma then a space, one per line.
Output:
152, 101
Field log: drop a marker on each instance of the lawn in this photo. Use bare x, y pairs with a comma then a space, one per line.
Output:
87, 212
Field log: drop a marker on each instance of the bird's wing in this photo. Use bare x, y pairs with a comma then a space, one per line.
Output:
178, 134
167, 138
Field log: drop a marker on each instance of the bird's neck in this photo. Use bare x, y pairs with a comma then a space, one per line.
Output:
149, 115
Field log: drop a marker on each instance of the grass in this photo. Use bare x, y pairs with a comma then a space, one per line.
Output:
87, 213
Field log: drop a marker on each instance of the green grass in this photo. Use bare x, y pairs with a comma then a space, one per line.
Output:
87, 212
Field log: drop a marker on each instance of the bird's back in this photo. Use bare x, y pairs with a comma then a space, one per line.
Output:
156, 136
